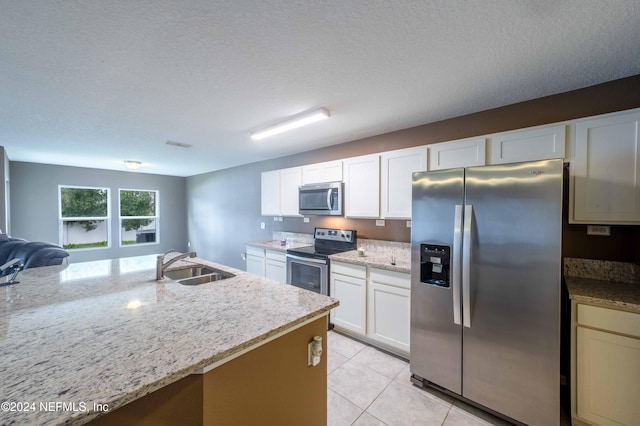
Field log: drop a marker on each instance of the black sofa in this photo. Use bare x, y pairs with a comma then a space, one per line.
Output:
32, 254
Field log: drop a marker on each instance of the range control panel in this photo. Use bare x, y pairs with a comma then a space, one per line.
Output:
343, 235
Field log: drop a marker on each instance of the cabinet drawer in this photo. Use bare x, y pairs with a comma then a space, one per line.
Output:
254, 251
276, 255
609, 319
357, 271
394, 278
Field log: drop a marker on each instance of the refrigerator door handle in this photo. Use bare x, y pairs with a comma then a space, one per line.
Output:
456, 264
466, 266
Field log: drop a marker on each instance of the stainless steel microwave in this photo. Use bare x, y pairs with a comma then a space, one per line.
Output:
323, 199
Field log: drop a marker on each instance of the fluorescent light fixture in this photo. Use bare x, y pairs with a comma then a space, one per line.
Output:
291, 123
132, 165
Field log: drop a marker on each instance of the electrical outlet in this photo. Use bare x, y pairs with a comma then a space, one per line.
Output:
408, 224
262, 225
379, 222
599, 230
314, 351
305, 220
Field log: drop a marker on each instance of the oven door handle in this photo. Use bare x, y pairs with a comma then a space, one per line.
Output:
307, 259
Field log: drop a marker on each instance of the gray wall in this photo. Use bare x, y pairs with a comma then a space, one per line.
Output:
5, 217
34, 206
224, 206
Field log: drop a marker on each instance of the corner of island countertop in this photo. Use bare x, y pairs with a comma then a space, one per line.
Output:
69, 336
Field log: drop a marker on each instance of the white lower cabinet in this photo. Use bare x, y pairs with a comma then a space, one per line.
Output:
607, 367
389, 297
374, 305
255, 260
270, 264
276, 265
348, 284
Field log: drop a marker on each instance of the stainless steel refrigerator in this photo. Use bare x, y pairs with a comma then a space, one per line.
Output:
485, 286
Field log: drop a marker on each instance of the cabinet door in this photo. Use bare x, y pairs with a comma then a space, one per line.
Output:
333, 171
270, 194
389, 315
255, 260
276, 266
290, 180
542, 143
352, 293
397, 168
330, 171
462, 153
608, 377
362, 186
275, 270
606, 169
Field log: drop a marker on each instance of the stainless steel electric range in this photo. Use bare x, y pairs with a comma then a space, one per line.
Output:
308, 267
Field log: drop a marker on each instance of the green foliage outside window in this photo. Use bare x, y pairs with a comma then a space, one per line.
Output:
137, 203
84, 202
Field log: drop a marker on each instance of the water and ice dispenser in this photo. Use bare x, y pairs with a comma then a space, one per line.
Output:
435, 264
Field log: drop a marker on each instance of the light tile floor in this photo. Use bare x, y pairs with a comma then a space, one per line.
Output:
369, 387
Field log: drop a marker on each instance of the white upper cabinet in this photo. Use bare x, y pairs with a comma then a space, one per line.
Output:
279, 195
461, 153
362, 186
540, 143
396, 178
270, 205
330, 171
606, 169
290, 180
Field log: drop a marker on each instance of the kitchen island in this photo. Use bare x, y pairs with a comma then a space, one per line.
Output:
106, 337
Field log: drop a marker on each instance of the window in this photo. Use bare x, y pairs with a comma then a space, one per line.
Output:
138, 217
84, 217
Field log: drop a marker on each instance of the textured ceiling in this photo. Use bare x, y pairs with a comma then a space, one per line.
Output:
92, 83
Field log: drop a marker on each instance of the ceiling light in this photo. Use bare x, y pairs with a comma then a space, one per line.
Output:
292, 123
132, 165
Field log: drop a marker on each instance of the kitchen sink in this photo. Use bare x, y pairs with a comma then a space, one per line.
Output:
202, 279
178, 274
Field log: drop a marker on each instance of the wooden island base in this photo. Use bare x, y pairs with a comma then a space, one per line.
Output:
271, 384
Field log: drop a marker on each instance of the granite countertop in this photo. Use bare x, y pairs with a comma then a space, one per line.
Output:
603, 283
106, 332
378, 254
275, 245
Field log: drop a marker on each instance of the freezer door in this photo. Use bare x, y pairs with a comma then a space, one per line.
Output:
436, 333
511, 346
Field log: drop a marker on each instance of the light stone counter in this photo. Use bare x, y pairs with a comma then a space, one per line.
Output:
275, 245
107, 333
603, 283
378, 254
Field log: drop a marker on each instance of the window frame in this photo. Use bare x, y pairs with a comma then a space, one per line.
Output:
62, 220
156, 217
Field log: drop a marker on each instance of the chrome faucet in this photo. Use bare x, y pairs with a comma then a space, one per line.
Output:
161, 265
